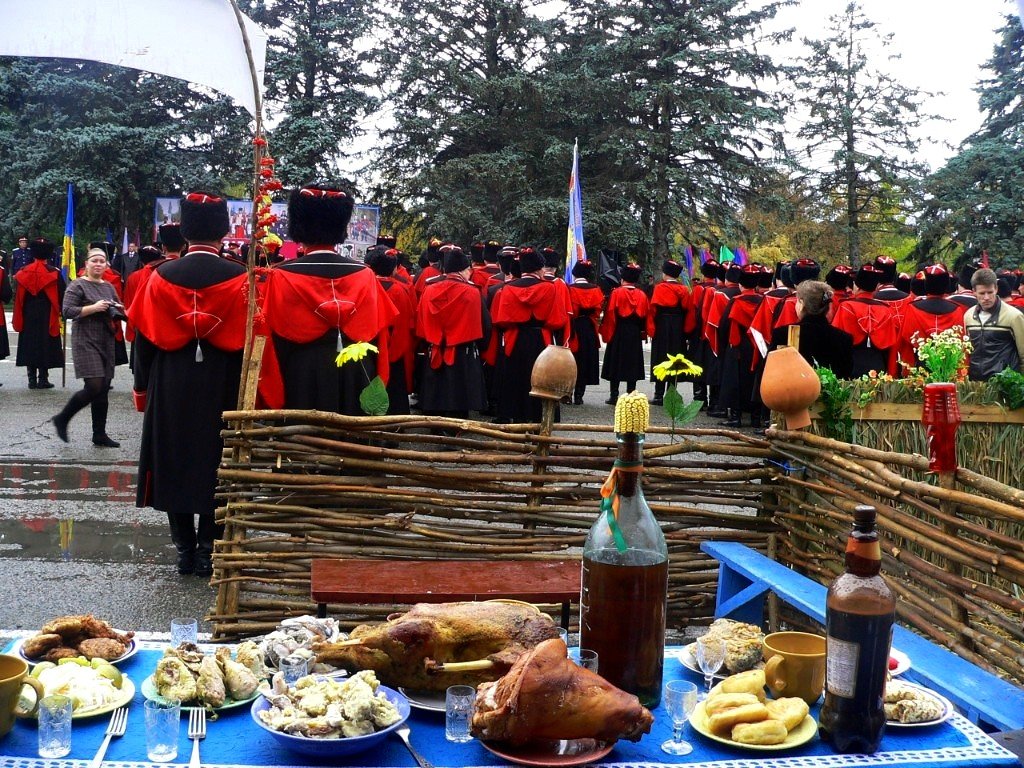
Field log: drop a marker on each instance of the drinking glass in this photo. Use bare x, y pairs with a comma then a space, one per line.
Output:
184, 630
293, 667
564, 634
710, 655
163, 719
584, 657
680, 699
54, 726
458, 712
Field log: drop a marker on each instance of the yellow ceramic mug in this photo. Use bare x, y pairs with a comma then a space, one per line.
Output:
13, 677
795, 665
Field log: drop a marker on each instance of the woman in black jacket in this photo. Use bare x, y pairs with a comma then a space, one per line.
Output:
820, 344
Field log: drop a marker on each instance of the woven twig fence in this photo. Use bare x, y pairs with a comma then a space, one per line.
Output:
298, 485
957, 576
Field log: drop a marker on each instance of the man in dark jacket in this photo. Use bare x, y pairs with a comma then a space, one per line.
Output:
37, 303
996, 330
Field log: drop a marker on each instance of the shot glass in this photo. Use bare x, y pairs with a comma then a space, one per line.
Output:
564, 634
458, 712
293, 667
584, 657
54, 726
163, 721
184, 630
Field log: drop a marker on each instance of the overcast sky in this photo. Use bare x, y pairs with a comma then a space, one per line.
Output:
943, 44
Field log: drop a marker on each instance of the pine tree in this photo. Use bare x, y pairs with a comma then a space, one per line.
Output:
858, 130
319, 85
976, 200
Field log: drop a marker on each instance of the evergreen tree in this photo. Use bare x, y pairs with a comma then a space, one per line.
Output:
672, 115
319, 85
976, 200
858, 128
122, 137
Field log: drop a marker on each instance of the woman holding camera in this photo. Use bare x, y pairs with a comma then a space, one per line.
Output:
91, 302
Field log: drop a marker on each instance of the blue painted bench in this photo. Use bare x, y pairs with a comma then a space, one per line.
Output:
745, 576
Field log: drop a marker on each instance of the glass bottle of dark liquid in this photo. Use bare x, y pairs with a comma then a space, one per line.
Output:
625, 583
859, 614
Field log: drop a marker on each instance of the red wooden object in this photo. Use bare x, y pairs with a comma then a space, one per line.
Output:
941, 417
442, 581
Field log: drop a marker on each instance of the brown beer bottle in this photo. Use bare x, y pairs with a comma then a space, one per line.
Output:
625, 570
859, 614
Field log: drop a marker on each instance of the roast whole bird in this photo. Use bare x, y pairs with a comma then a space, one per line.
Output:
546, 697
435, 645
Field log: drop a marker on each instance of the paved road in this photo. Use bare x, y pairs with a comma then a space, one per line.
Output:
71, 538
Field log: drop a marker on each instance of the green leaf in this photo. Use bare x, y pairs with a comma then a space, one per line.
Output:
690, 411
673, 404
374, 399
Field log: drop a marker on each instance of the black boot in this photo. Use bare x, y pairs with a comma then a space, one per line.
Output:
209, 531
613, 397
700, 392
732, 418
577, 394
44, 380
659, 393
183, 534
99, 425
32, 382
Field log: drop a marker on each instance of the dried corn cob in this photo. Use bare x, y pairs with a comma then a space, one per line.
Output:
632, 413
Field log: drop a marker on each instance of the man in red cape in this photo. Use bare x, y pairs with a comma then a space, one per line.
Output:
37, 303
529, 311
624, 329
700, 352
669, 320
319, 303
872, 324
453, 321
928, 316
586, 299
401, 338
736, 350
190, 331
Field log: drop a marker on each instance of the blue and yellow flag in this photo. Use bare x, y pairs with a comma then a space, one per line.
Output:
67, 261
575, 250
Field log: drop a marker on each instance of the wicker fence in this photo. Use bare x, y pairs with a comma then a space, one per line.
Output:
297, 485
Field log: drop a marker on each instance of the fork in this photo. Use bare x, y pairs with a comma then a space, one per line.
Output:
196, 731
403, 733
117, 726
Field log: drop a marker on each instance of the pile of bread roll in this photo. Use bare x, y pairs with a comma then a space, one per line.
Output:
738, 709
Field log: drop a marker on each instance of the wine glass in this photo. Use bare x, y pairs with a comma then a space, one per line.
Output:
680, 699
710, 657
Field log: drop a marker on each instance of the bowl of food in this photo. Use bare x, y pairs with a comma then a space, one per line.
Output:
329, 717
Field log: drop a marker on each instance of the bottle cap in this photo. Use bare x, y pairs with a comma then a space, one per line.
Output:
864, 514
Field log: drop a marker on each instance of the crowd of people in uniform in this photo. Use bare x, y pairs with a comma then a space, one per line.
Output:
457, 335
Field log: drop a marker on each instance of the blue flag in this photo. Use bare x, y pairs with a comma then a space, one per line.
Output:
688, 255
575, 250
67, 261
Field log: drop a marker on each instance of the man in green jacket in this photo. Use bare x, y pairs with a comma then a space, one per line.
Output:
995, 328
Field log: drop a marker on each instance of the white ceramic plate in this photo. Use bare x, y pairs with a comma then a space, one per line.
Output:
803, 733
689, 660
132, 648
947, 709
902, 662
428, 701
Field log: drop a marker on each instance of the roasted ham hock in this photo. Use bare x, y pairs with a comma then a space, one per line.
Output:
546, 697
436, 645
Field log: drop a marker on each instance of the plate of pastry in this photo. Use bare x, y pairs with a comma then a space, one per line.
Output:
908, 705
79, 635
789, 725
551, 753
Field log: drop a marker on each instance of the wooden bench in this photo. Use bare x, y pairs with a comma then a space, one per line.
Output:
378, 582
746, 576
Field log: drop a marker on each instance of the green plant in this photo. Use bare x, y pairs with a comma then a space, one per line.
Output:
835, 405
669, 371
373, 400
944, 355
1011, 387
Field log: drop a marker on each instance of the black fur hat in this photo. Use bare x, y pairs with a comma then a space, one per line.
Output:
170, 237
433, 252
382, 260
530, 260
476, 253
204, 217
917, 284
41, 248
551, 258
709, 268
732, 272
631, 273
505, 259
491, 250
965, 274
453, 259
149, 253
887, 266
749, 276
319, 215
840, 277
672, 268
584, 270
804, 269
868, 277
936, 280
765, 278
903, 282
388, 241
